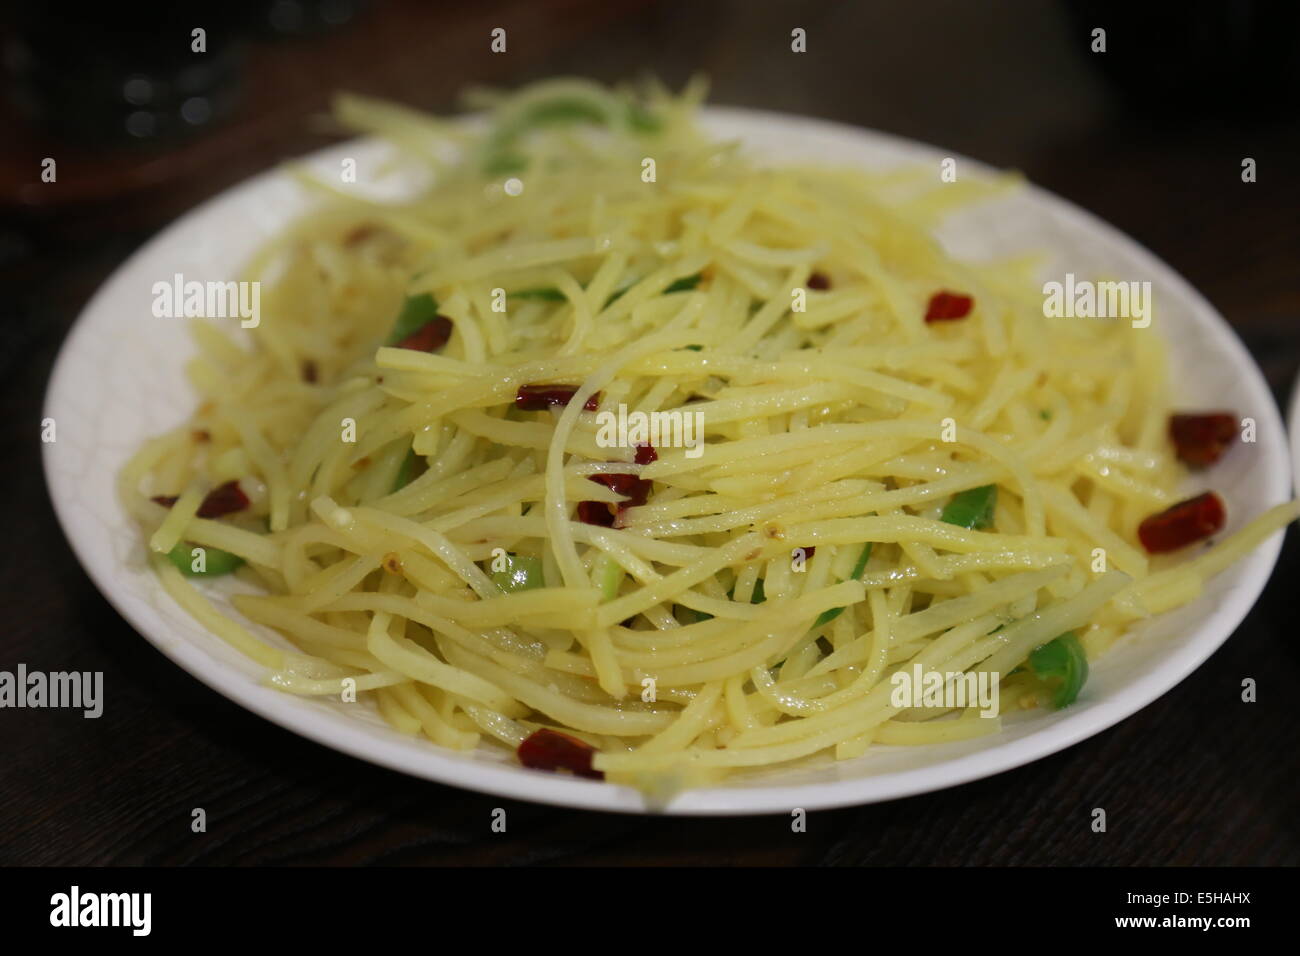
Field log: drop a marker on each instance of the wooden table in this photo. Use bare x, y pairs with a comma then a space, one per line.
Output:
1196, 778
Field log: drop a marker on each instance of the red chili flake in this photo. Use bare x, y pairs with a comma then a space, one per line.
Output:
809, 552
1185, 523
635, 489
309, 372
429, 337
948, 305
1201, 439
646, 454
222, 500
535, 398
548, 749
595, 512
819, 281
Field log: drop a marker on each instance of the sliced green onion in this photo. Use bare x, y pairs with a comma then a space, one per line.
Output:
1063, 665
417, 311
215, 561
831, 614
972, 508
523, 572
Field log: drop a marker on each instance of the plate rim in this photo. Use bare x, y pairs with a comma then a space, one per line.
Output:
354, 737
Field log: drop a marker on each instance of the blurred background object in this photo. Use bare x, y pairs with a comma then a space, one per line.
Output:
1173, 60
121, 72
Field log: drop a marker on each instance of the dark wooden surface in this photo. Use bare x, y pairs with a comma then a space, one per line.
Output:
1196, 778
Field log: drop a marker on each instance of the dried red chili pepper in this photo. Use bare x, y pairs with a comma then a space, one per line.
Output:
809, 552
945, 306
429, 337
535, 398
222, 500
819, 281
595, 512
635, 489
632, 487
1185, 523
547, 749
1200, 439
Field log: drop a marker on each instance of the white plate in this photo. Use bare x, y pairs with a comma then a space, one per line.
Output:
1293, 429
119, 380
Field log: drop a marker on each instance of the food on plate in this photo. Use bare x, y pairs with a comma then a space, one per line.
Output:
652, 460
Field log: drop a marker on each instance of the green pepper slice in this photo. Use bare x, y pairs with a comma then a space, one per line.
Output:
972, 508
1061, 663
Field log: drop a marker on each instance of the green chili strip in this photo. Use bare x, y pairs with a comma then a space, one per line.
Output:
417, 311
502, 154
523, 572
552, 294
831, 614
972, 508
758, 596
406, 471
215, 561
542, 295
642, 120
684, 284
609, 575
1063, 665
